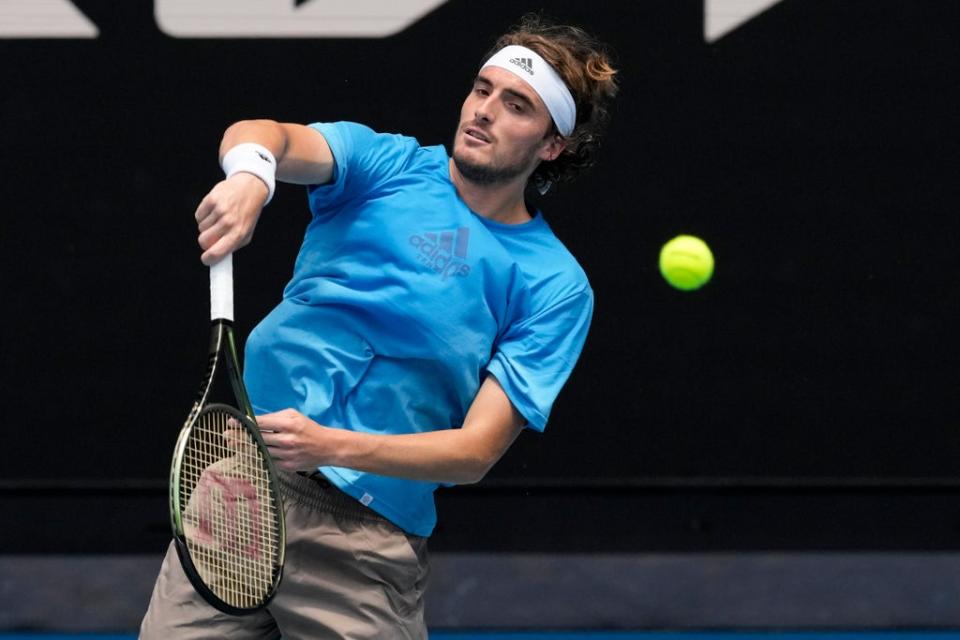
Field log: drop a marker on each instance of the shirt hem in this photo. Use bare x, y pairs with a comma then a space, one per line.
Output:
379, 506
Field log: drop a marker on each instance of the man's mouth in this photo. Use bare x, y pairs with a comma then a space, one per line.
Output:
476, 134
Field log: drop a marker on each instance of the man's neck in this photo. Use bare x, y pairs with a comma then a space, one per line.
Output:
502, 203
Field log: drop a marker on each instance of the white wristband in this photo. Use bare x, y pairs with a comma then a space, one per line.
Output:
256, 159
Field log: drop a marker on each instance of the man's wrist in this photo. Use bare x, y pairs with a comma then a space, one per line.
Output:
256, 181
341, 443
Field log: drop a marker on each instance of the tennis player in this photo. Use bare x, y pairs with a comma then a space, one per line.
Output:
431, 317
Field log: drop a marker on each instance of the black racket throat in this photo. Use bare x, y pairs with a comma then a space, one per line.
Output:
223, 381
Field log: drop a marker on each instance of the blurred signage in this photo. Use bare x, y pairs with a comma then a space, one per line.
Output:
44, 19
290, 18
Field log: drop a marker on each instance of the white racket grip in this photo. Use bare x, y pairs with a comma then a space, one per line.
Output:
221, 289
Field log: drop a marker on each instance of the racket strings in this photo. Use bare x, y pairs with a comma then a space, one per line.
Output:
231, 521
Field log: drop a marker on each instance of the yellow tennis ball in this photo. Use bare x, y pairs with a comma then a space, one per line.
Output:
686, 262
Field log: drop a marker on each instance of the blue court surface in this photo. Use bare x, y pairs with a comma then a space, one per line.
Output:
597, 635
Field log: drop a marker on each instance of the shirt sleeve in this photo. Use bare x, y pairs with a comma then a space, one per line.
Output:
363, 159
535, 357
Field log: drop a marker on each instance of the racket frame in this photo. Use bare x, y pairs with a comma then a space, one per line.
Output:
222, 348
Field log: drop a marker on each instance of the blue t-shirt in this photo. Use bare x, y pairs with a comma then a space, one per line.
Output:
402, 300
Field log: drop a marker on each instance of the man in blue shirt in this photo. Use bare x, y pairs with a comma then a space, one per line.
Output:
431, 317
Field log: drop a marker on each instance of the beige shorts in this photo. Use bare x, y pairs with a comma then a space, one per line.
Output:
349, 573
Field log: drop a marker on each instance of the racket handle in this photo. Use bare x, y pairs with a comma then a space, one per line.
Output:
221, 289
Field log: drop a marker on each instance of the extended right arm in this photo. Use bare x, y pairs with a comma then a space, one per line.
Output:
228, 214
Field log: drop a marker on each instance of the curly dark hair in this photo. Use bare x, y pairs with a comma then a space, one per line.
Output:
584, 65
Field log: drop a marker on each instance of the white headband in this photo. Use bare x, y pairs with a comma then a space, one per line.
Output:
534, 70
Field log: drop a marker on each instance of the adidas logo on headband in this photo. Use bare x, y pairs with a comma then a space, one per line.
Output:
524, 63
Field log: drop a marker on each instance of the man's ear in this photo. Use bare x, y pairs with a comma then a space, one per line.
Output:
555, 144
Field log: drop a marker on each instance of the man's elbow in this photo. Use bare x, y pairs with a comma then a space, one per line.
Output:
252, 122
269, 133
477, 468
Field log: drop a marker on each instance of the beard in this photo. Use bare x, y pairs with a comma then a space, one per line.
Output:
487, 174
490, 173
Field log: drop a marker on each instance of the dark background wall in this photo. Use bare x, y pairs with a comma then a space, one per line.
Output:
815, 148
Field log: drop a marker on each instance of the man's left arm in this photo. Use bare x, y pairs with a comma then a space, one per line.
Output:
455, 456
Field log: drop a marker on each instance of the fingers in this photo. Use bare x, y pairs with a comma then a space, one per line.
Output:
237, 439
283, 454
291, 439
273, 430
227, 216
279, 446
206, 217
218, 243
203, 212
278, 421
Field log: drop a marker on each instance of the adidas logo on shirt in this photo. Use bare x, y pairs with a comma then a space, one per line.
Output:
524, 63
445, 253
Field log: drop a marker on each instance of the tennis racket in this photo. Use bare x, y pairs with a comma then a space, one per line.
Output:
225, 507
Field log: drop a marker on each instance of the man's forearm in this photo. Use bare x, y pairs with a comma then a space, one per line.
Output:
459, 456
303, 155
449, 456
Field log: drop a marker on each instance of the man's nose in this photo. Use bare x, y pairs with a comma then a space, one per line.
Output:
484, 111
